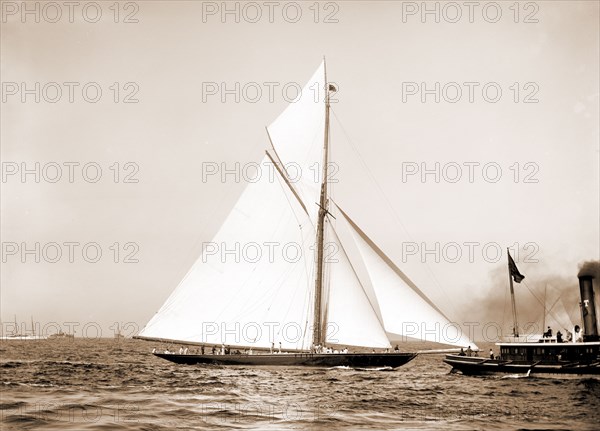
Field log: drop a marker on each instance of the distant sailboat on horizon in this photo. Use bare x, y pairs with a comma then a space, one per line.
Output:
17, 335
341, 292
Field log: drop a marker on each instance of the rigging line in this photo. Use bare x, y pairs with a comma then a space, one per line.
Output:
268, 294
293, 300
287, 181
246, 281
303, 312
310, 275
326, 292
300, 225
287, 273
331, 189
575, 310
309, 309
271, 293
395, 214
543, 303
549, 310
553, 305
290, 204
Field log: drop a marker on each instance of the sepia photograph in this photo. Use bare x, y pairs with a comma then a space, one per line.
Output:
300, 215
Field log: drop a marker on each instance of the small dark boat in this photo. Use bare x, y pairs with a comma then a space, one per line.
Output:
353, 360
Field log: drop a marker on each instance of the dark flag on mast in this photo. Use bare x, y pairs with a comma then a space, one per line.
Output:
514, 271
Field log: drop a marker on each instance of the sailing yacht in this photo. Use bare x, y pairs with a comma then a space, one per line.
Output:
19, 336
323, 295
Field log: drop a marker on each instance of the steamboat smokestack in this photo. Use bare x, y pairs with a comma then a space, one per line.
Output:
588, 308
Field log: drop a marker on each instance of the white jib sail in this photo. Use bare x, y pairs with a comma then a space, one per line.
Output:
351, 319
253, 284
406, 312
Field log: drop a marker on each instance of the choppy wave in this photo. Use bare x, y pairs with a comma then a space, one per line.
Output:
118, 385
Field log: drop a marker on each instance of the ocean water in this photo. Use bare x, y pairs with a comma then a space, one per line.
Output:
83, 384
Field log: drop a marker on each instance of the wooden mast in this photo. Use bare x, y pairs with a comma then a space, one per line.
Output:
512, 298
318, 331
544, 317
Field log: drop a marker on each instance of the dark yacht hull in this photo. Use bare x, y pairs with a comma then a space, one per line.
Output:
353, 360
481, 366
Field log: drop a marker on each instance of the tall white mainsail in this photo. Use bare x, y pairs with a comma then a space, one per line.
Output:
265, 278
253, 281
297, 137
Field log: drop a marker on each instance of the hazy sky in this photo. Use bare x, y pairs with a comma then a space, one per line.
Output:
378, 53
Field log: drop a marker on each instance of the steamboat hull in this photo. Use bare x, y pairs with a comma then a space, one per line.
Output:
352, 360
481, 366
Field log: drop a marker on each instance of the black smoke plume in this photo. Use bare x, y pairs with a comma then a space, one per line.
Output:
590, 268
541, 289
